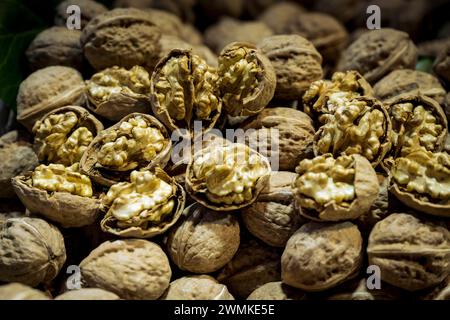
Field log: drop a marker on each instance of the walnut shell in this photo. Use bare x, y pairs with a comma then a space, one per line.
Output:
358, 290
278, 16
18, 291
378, 52
89, 163
48, 89
296, 62
89, 9
442, 65
272, 217
412, 253
203, 240
201, 287
131, 30
441, 292
447, 106
31, 251
132, 269
276, 291
320, 256
87, 294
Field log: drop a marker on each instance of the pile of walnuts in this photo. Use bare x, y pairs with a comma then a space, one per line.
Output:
356, 178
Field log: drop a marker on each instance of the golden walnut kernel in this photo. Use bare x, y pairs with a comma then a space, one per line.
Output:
227, 177
31, 251
87, 294
203, 240
320, 256
412, 253
276, 291
134, 269
331, 189
146, 206
200, 287
63, 135
421, 180
60, 194
184, 90
417, 121
247, 79
358, 126
88, 9
18, 291
137, 142
116, 92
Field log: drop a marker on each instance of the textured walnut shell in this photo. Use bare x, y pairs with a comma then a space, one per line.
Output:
56, 46
278, 16
203, 240
441, 292
320, 256
442, 65
68, 210
412, 253
276, 291
272, 217
108, 221
201, 287
18, 291
109, 177
47, 89
31, 251
132, 269
87, 294
89, 9
295, 135
297, 64
377, 52
121, 37
253, 265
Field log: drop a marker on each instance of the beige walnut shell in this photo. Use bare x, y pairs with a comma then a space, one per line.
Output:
320, 256
272, 217
296, 61
32, 251
278, 16
132, 269
203, 240
276, 290
48, 89
412, 253
200, 287
89, 161
87, 294
88, 9
121, 37
18, 291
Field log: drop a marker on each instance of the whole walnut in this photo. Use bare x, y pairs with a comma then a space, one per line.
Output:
272, 217
88, 9
253, 265
121, 37
296, 62
18, 291
276, 291
203, 240
277, 17
442, 65
287, 134
201, 287
412, 253
320, 256
168, 43
48, 89
32, 251
87, 294
378, 52
132, 269
56, 46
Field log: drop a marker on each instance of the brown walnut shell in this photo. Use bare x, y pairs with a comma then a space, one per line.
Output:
200, 287
18, 291
276, 291
442, 65
87, 294
278, 16
89, 9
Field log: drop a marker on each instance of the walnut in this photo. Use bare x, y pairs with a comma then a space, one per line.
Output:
320, 256
48, 89
146, 206
447, 106
201, 287
358, 290
276, 291
31, 251
89, 10
442, 64
121, 37
167, 22
421, 181
63, 135
247, 79
184, 90
132, 269
296, 62
412, 253
18, 291
411, 82
226, 178
441, 292
56, 46
60, 194
357, 126
290, 131
252, 266
87, 294
136, 142
272, 217
116, 92
278, 16
203, 240
417, 121
329, 189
